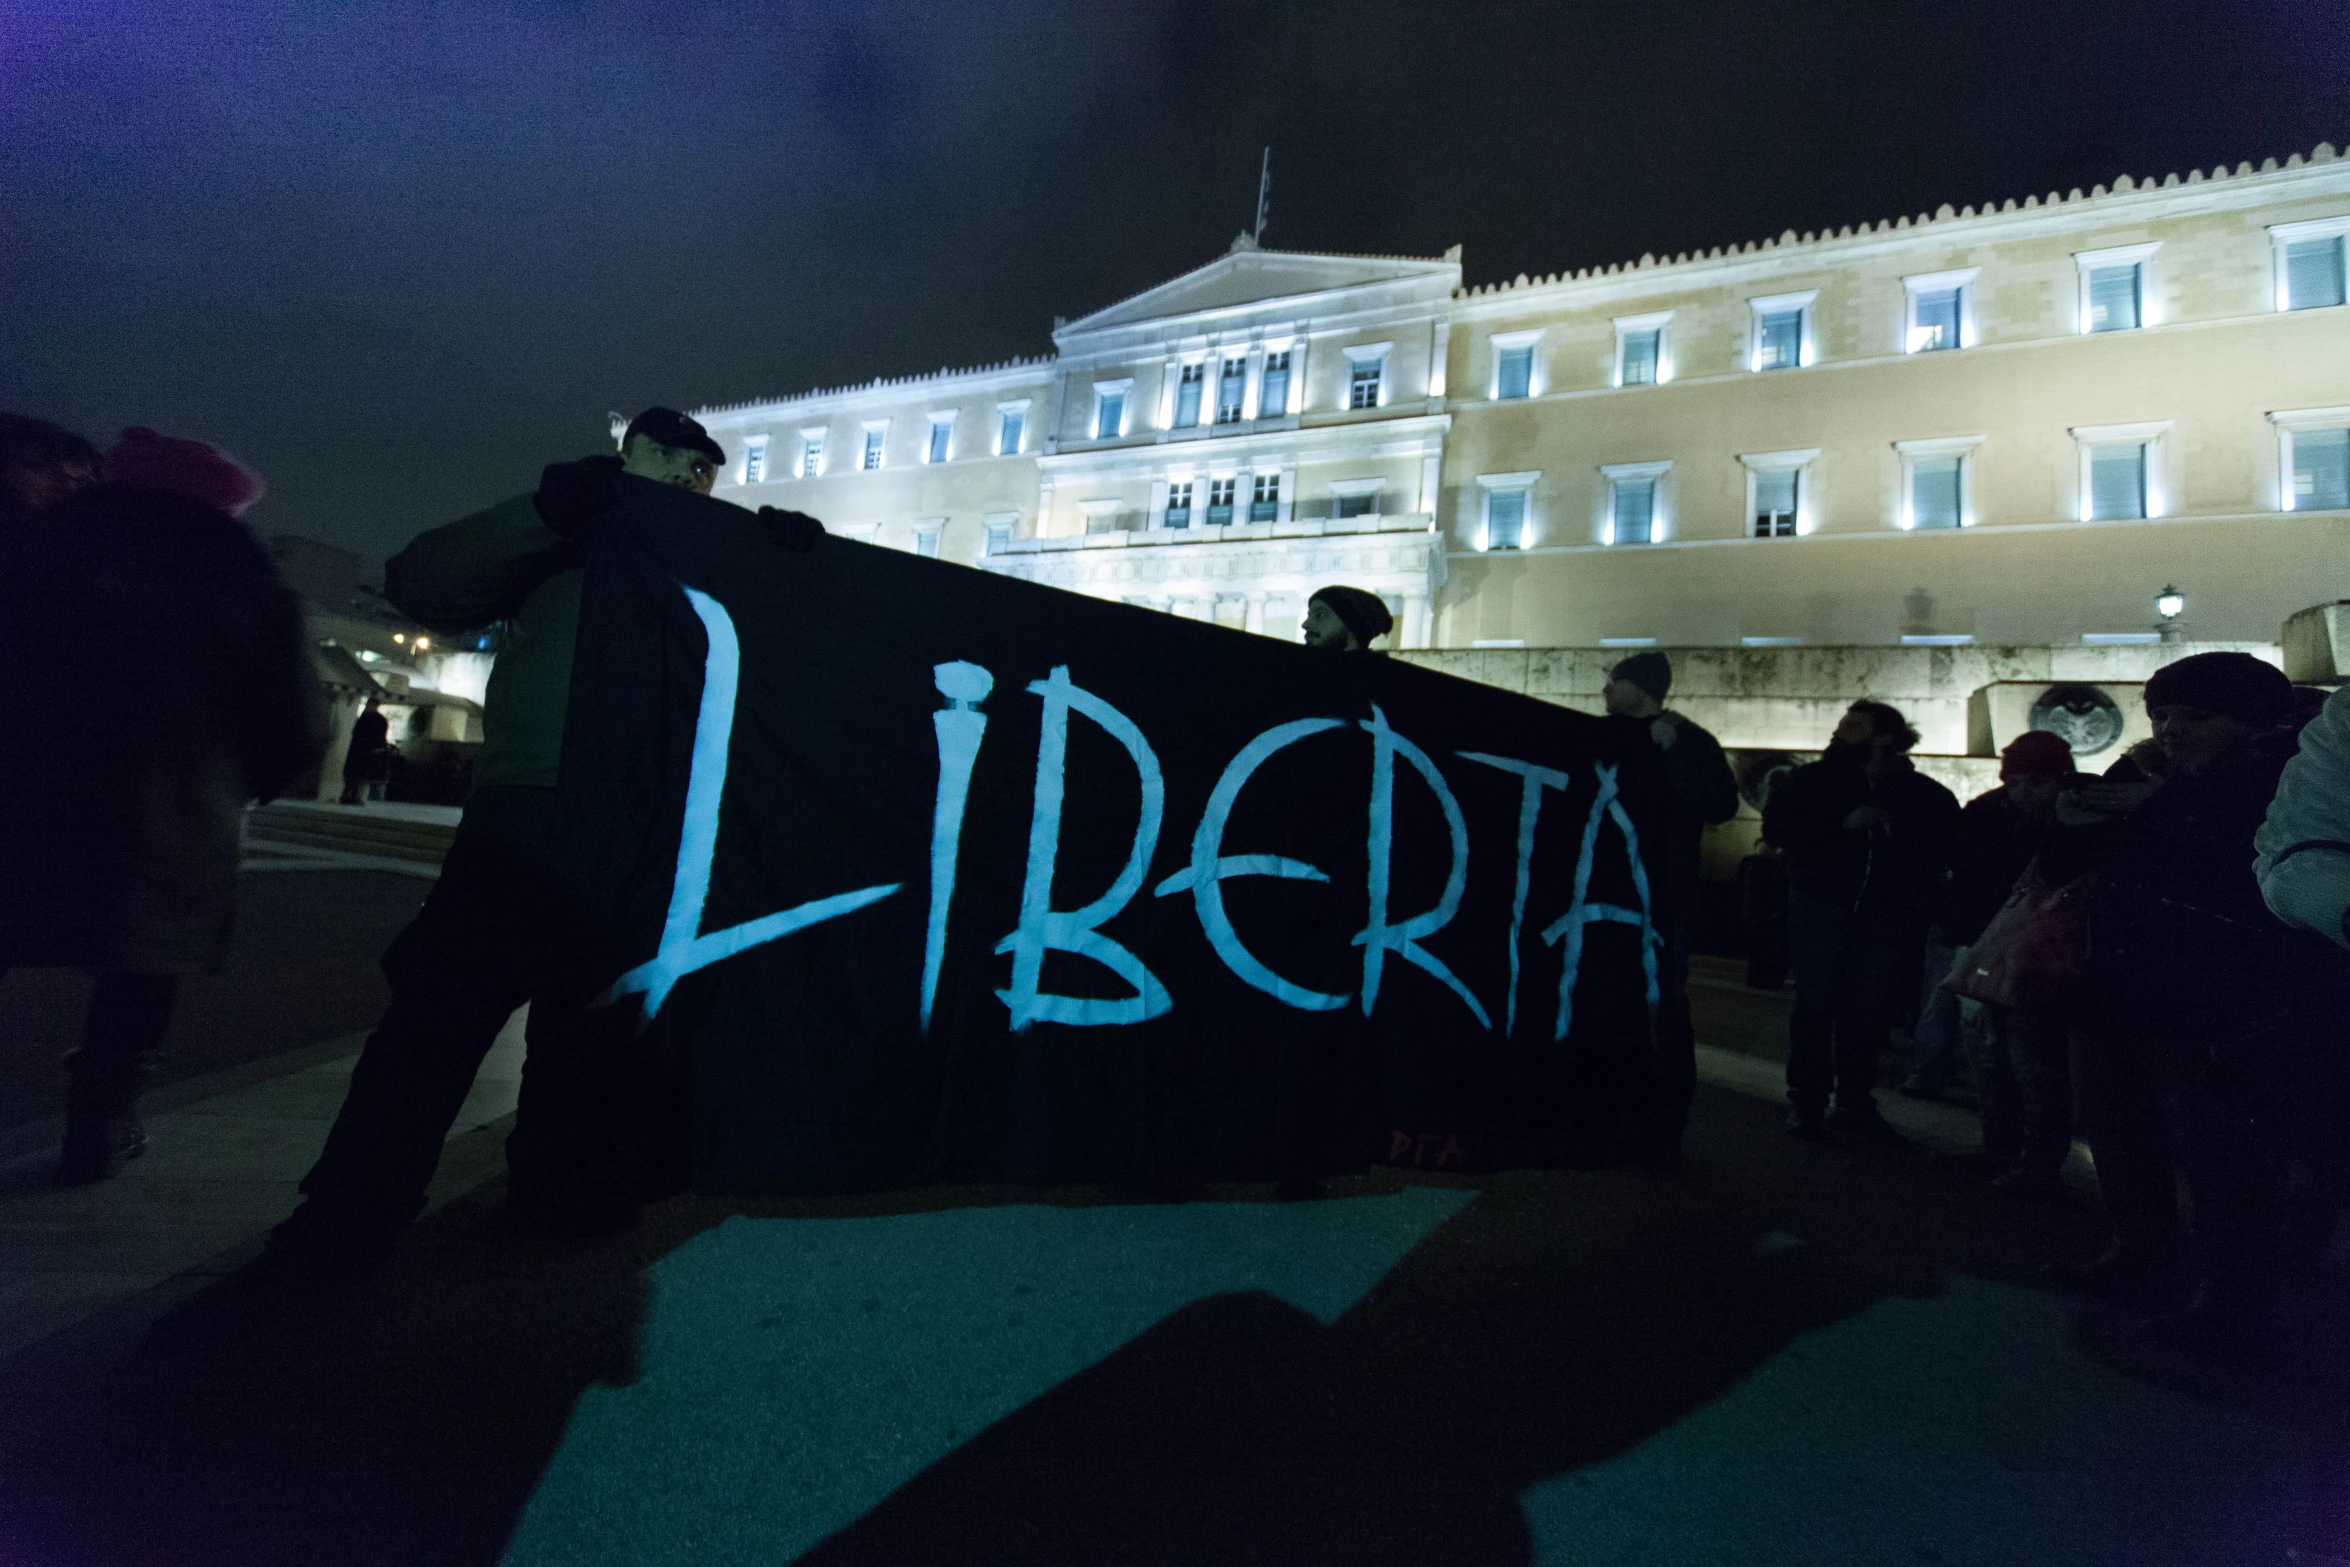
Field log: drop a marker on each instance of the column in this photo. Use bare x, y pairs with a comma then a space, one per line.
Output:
1255, 382
1158, 511
1414, 630
1288, 508
1431, 480
1439, 351
1044, 508
1255, 621
1166, 419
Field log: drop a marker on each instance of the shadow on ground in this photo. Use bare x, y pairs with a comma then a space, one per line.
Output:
1780, 1353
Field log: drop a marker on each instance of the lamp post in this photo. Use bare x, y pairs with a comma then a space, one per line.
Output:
2170, 604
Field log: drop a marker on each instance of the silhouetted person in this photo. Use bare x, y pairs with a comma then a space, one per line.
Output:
120, 829
1346, 620
1867, 839
1703, 792
367, 760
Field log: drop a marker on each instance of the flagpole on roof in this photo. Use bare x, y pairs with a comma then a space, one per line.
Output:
1264, 193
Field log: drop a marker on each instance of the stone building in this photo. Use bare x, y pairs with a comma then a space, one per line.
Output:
1956, 452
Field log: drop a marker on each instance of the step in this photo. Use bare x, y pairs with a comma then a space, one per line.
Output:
413, 853
420, 842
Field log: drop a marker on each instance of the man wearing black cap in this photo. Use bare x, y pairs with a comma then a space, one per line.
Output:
1703, 792
502, 927
1346, 620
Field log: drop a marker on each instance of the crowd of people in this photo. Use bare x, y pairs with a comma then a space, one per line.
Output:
2153, 958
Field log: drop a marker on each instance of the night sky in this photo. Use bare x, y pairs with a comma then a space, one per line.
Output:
400, 254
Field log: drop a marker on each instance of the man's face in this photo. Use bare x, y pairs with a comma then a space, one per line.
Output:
688, 470
1854, 730
39, 486
1626, 700
1325, 630
2033, 795
2195, 738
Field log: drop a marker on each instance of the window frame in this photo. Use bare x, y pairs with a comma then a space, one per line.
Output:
2283, 235
1376, 356
2088, 262
1258, 500
1964, 448
2290, 422
1805, 303
809, 461
1288, 373
1225, 359
1355, 490
1962, 280
935, 450
754, 460
1183, 370
1491, 484
1658, 321
1004, 413
1123, 390
1500, 343
873, 453
1231, 484
2152, 435
1190, 488
1798, 463
928, 533
997, 530
1616, 475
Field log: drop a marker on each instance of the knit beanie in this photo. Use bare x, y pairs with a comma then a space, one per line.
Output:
1651, 671
201, 473
2235, 685
2036, 753
1360, 611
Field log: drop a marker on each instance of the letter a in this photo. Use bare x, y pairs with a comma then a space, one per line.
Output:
1582, 913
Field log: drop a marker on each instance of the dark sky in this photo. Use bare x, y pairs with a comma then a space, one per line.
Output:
398, 254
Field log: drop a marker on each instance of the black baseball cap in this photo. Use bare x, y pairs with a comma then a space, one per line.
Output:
668, 427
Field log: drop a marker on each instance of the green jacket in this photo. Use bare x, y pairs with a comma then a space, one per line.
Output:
503, 564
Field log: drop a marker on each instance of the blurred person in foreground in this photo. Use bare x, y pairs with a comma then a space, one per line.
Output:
120, 830
2187, 1023
1867, 839
1704, 792
504, 925
2022, 1074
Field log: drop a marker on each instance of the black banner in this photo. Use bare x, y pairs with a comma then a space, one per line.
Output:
929, 874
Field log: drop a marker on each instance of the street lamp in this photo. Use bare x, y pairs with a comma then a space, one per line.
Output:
2170, 604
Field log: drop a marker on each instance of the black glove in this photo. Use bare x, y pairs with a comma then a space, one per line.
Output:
572, 495
794, 530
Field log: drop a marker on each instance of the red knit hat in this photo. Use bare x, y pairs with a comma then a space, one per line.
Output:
2036, 753
202, 473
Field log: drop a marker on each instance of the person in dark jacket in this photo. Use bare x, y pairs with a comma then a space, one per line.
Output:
1346, 620
503, 925
367, 760
2022, 1075
1867, 839
1704, 791
2191, 978
119, 833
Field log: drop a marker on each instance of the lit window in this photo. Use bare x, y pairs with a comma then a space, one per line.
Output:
926, 541
2310, 268
1264, 501
1631, 510
2316, 453
1933, 319
1513, 364
1109, 410
1187, 395
755, 461
1366, 377
1179, 505
1774, 502
811, 455
942, 438
1220, 502
872, 457
1345, 506
1273, 395
1231, 390
2117, 480
999, 537
1014, 424
1782, 331
2114, 301
1937, 482
1505, 519
1639, 355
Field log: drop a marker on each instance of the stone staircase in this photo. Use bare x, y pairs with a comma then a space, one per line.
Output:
372, 832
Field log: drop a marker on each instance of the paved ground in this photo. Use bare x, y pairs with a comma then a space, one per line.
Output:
1781, 1353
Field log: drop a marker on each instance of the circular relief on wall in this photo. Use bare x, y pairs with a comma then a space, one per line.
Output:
2084, 716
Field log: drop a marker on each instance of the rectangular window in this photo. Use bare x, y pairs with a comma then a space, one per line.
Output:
999, 537
942, 435
1231, 386
1778, 339
1363, 380
1264, 501
2313, 273
755, 462
1933, 320
872, 459
1015, 424
1220, 501
2116, 298
1109, 415
2321, 471
1273, 395
1179, 505
811, 456
1636, 356
2117, 480
1187, 394
1774, 502
1505, 519
1345, 506
1936, 491
926, 542
1513, 371
1632, 511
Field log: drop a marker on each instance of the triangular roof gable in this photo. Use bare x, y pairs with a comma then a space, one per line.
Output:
1244, 277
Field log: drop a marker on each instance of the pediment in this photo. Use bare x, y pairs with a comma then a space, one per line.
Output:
1248, 276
